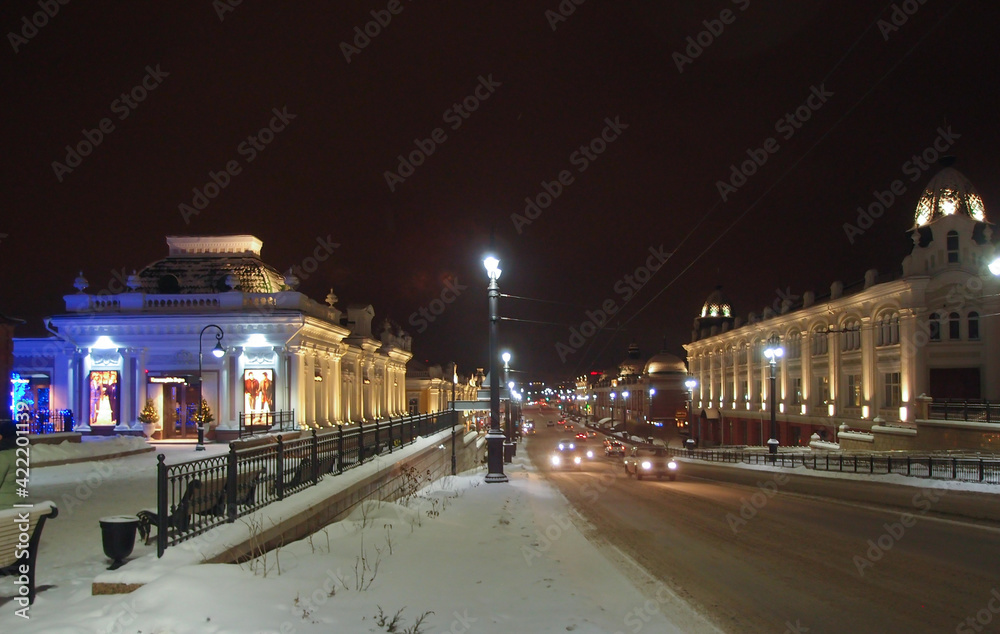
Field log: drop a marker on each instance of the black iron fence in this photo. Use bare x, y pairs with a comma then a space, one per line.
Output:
50, 422
192, 497
967, 469
980, 411
260, 422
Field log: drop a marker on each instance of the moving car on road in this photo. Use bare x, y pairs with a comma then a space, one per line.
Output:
642, 462
569, 453
614, 448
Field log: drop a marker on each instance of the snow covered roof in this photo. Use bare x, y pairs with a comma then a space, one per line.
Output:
210, 264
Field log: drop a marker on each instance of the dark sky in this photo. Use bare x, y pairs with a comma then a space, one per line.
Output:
654, 185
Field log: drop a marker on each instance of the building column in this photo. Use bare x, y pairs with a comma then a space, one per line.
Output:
868, 371
807, 371
833, 358
911, 359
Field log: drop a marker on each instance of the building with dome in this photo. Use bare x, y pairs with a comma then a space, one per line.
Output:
284, 357
899, 363
645, 395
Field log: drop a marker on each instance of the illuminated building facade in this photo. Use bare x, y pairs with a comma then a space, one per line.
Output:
881, 357
284, 352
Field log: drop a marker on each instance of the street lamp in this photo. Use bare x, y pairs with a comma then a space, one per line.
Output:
509, 385
995, 266
218, 352
612, 408
625, 412
494, 437
773, 352
690, 384
454, 417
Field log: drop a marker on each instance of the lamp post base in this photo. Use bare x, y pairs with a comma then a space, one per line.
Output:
494, 457
772, 449
201, 439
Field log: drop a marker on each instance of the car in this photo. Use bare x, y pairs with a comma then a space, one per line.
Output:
582, 435
614, 448
643, 461
570, 454
550, 423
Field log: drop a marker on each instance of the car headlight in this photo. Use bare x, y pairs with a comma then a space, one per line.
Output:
556, 460
572, 446
590, 454
671, 465
561, 446
646, 464
576, 460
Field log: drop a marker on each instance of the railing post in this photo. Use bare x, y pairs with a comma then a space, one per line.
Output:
982, 470
361, 442
340, 450
390, 434
871, 464
231, 466
965, 410
888, 464
954, 468
279, 481
907, 465
930, 466
841, 462
315, 458
376, 435
162, 516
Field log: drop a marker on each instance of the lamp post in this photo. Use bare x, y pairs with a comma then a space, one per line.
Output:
773, 352
612, 408
494, 437
508, 433
690, 384
218, 351
454, 417
625, 412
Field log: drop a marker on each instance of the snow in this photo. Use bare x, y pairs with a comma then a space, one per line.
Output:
467, 555
90, 447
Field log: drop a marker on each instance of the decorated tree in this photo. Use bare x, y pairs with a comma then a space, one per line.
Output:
149, 415
204, 414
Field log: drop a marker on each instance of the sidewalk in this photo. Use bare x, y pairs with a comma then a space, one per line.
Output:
472, 556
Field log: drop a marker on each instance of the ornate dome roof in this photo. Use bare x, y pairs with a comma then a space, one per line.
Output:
633, 364
665, 363
210, 264
716, 305
948, 193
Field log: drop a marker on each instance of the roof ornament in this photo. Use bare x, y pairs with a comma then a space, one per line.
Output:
133, 282
291, 280
232, 281
331, 298
80, 283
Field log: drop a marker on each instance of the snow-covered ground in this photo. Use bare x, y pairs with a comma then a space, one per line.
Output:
89, 447
459, 556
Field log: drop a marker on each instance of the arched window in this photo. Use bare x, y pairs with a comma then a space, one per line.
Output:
887, 330
934, 327
850, 336
974, 326
952, 241
820, 344
954, 326
793, 345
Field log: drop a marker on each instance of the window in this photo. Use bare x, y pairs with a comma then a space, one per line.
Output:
758, 390
757, 356
797, 391
954, 326
850, 336
852, 395
891, 397
887, 330
793, 344
822, 390
934, 327
819, 342
974, 326
952, 241
744, 394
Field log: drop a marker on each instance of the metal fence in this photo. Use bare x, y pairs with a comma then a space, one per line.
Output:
262, 422
192, 497
941, 467
976, 411
51, 422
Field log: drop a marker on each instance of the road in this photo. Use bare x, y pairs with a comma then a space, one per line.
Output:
755, 558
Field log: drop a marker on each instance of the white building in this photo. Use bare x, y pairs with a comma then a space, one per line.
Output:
284, 352
872, 358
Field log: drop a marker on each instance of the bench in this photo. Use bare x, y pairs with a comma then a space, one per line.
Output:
201, 498
12, 547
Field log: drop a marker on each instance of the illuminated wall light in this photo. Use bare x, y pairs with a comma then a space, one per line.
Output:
804, 409
829, 409
903, 412
257, 340
781, 407
864, 411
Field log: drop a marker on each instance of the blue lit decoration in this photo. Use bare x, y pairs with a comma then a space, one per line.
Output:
18, 392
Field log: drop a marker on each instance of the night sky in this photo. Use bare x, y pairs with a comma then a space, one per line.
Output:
875, 90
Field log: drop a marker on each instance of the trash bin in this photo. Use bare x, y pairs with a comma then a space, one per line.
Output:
689, 443
118, 537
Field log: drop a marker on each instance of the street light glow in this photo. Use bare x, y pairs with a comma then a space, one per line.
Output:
995, 266
492, 267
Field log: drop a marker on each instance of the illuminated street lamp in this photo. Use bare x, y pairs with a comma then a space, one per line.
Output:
625, 412
995, 266
773, 352
218, 351
494, 437
612, 413
690, 384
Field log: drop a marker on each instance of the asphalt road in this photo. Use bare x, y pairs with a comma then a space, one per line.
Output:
756, 557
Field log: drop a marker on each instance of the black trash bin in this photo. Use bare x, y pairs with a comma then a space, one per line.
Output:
118, 537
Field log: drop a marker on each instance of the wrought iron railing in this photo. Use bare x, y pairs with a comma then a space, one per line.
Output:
193, 497
251, 423
979, 411
48, 422
968, 469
